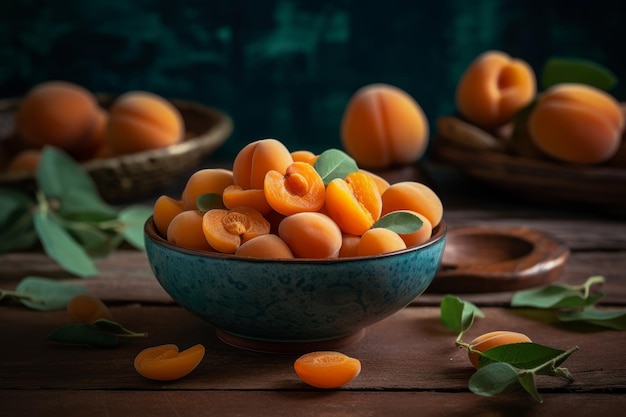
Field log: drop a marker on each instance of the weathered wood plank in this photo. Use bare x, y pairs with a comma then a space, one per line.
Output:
410, 350
166, 403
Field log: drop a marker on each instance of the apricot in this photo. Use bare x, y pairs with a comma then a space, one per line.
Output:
492, 339
25, 161
414, 196
326, 369
354, 203
205, 181
235, 196
381, 183
265, 246
166, 363
300, 188
311, 235
165, 209
303, 156
382, 125
255, 159
56, 113
349, 245
185, 230
419, 236
140, 120
493, 88
577, 123
94, 141
226, 230
85, 308
378, 240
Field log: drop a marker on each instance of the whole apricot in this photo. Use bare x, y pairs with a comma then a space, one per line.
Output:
414, 196
492, 339
577, 123
25, 161
311, 235
140, 120
256, 159
56, 113
493, 88
383, 125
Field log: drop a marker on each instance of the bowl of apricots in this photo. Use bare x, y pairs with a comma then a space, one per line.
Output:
290, 251
131, 144
555, 138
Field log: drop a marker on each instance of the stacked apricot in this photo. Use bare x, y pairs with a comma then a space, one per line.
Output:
568, 122
68, 116
275, 203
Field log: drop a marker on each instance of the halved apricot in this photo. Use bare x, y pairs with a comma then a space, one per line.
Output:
327, 369
354, 203
166, 363
300, 189
226, 230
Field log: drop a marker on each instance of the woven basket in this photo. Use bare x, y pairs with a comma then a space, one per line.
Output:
598, 188
135, 175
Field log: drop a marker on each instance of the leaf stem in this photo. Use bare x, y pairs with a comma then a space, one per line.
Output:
555, 370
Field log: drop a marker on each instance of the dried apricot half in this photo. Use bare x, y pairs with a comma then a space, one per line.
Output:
166, 363
327, 369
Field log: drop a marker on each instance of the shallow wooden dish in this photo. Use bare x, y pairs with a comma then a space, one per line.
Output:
600, 188
135, 175
492, 259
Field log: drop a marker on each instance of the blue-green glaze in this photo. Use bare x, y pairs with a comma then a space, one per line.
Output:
293, 300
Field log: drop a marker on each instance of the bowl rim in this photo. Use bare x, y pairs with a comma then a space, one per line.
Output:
439, 233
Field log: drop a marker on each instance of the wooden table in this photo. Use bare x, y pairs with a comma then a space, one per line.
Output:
410, 365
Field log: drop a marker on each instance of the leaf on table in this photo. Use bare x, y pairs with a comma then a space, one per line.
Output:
209, 201
401, 222
493, 379
60, 246
45, 294
521, 355
458, 315
333, 163
60, 177
553, 296
575, 70
112, 327
134, 218
613, 319
84, 335
527, 381
96, 242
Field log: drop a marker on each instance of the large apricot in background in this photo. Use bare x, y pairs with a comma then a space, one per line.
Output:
493, 88
577, 123
382, 125
57, 113
140, 120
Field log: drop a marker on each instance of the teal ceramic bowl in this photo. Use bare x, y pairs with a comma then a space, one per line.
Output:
295, 304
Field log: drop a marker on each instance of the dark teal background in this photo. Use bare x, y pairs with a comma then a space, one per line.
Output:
286, 68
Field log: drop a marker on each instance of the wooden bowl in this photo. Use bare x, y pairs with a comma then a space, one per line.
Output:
486, 158
492, 259
135, 175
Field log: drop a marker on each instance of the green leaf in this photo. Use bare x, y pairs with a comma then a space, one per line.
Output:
16, 221
60, 246
553, 296
60, 178
209, 201
574, 70
401, 222
84, 335
494, 379
334, 163
97, 243
613, 319
521, 355
458, 315
527, 381
133, 219
45, 294
111, 327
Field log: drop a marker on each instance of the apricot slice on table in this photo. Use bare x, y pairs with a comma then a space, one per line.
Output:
226, 230
300, 189
327, 369
167, 363
354, 203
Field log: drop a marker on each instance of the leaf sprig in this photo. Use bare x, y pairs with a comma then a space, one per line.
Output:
67, 216
504, 367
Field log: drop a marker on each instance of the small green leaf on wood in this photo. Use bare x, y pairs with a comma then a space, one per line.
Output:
46, 294
458, 315
112, 327
401, 222
210, 201
558, 295
575, 70
83, 335
612, 319
334, 163
133, 219
494, 379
